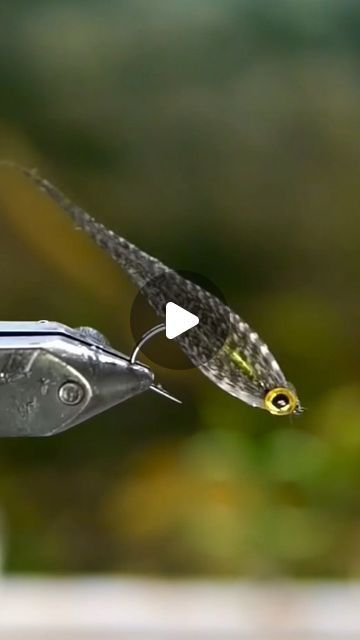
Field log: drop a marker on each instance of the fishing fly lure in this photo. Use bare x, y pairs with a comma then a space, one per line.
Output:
222, 345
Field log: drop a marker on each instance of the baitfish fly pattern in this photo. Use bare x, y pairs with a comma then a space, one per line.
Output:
222, 345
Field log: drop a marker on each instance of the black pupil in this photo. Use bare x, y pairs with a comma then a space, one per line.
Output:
280, 401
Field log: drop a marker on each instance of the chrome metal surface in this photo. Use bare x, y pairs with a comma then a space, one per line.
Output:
53, 377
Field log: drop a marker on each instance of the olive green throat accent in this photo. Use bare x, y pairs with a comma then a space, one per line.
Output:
239, 361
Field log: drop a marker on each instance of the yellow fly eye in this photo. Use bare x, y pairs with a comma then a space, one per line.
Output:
280, 401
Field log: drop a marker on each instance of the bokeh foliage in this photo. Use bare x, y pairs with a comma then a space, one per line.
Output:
224, 138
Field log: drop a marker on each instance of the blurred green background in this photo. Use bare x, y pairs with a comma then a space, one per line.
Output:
224, 138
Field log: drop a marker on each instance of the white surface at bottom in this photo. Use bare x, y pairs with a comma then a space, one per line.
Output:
136, 609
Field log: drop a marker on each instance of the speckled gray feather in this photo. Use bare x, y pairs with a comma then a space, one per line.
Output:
222, 345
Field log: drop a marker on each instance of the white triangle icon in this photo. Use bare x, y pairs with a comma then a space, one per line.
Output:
178, 320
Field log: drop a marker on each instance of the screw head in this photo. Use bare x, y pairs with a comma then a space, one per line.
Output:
71, 392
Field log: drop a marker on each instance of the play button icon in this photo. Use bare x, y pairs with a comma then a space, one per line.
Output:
178, 320
185, 317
